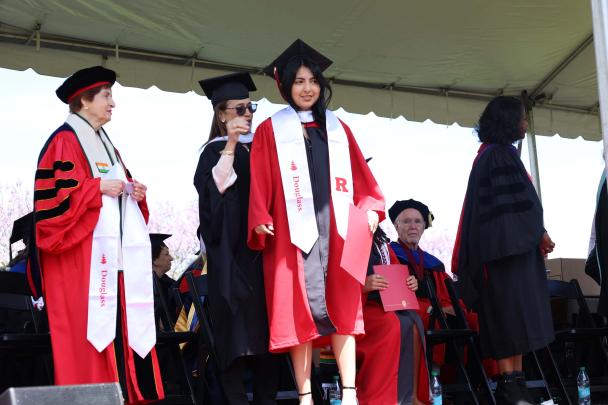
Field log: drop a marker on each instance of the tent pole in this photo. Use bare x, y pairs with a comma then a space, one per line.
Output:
531, 139
532, 152
599, 12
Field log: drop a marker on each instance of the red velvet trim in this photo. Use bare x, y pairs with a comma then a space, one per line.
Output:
113, 360
80, 91
135, 395
158, 380
30, 281
133, 390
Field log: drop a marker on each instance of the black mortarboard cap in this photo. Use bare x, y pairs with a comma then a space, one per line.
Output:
157, 241
22, 228
235, 86
299, 49
401, 205
83, 80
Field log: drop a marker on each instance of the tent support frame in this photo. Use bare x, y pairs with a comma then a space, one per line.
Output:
531, 139
22, 37
561, 66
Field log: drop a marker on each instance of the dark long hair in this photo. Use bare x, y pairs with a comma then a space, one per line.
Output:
218, 128
380, 238
501, 121
287, 78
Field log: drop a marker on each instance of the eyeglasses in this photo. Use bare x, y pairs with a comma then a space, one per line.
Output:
408, 222
240, 109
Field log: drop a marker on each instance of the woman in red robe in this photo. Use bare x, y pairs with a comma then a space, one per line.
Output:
299, 186
67, 205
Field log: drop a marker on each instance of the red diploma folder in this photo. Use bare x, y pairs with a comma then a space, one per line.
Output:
397, 296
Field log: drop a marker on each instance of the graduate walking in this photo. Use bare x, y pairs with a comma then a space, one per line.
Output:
498, 255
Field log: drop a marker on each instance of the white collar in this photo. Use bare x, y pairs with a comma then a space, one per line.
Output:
243, 138
306, 116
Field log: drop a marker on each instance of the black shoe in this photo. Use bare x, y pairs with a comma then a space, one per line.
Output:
520, 378
508, 392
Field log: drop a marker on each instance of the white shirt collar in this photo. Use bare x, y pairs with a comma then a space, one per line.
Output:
305, 116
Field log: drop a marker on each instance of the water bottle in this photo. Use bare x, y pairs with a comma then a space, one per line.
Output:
435, 389
584, 391
334, 394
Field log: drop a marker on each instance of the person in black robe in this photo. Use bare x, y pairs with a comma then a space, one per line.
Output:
499, 250
161, 264
236, 285
597, 262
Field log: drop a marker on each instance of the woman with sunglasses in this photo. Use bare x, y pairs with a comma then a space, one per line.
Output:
313, 198
236, 284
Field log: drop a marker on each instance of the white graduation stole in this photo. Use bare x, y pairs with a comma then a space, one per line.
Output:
137, 271
103, 276
108, 254
297, 188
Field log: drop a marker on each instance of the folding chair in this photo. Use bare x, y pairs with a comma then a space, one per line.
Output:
455, 338
199, 290
168, 339
30, 340
475, 363
583, 329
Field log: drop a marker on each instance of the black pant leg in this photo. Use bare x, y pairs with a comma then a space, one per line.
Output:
265, 369
232, 382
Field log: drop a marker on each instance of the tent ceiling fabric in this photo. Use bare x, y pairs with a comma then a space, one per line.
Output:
437, 60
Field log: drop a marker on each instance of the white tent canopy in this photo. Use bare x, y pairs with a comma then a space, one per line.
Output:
437, 60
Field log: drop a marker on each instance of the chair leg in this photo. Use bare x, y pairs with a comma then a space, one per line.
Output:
560, 382
464, 373
542, 373
482, 372
187, 376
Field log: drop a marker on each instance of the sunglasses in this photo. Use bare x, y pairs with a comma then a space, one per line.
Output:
241, 109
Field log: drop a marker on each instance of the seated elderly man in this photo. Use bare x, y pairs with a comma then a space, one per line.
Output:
411, 218
397, 375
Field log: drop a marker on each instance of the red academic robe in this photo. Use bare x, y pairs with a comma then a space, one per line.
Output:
289, 315
382, 376
67, 202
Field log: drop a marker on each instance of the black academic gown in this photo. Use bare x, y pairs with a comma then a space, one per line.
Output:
499, 263
597, 263
236, 284
315, 262
167, 284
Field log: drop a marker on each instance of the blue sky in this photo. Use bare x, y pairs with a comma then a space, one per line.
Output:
159, 135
